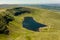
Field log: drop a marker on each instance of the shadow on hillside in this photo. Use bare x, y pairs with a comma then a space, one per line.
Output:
18, 8
4, 31
21, 12
4, 22
30, 24
8, 18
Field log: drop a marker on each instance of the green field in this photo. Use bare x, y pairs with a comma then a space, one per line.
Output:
44, 16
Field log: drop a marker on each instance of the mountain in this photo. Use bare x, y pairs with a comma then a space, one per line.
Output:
30, 23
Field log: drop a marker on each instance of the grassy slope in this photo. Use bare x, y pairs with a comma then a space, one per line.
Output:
51, 32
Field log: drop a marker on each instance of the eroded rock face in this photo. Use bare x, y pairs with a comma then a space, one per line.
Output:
4, 20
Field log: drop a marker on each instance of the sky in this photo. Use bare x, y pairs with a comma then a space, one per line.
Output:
29, 1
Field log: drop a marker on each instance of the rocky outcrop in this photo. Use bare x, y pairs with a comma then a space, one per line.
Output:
4, 21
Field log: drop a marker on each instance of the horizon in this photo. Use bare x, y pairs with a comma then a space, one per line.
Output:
29, 2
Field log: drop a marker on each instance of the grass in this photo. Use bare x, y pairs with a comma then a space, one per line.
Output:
50, 32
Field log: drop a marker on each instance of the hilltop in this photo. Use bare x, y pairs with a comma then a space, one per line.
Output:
24, 19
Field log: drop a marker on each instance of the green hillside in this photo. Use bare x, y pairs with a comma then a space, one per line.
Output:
16, 30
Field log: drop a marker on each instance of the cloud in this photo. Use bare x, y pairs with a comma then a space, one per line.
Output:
28, 1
